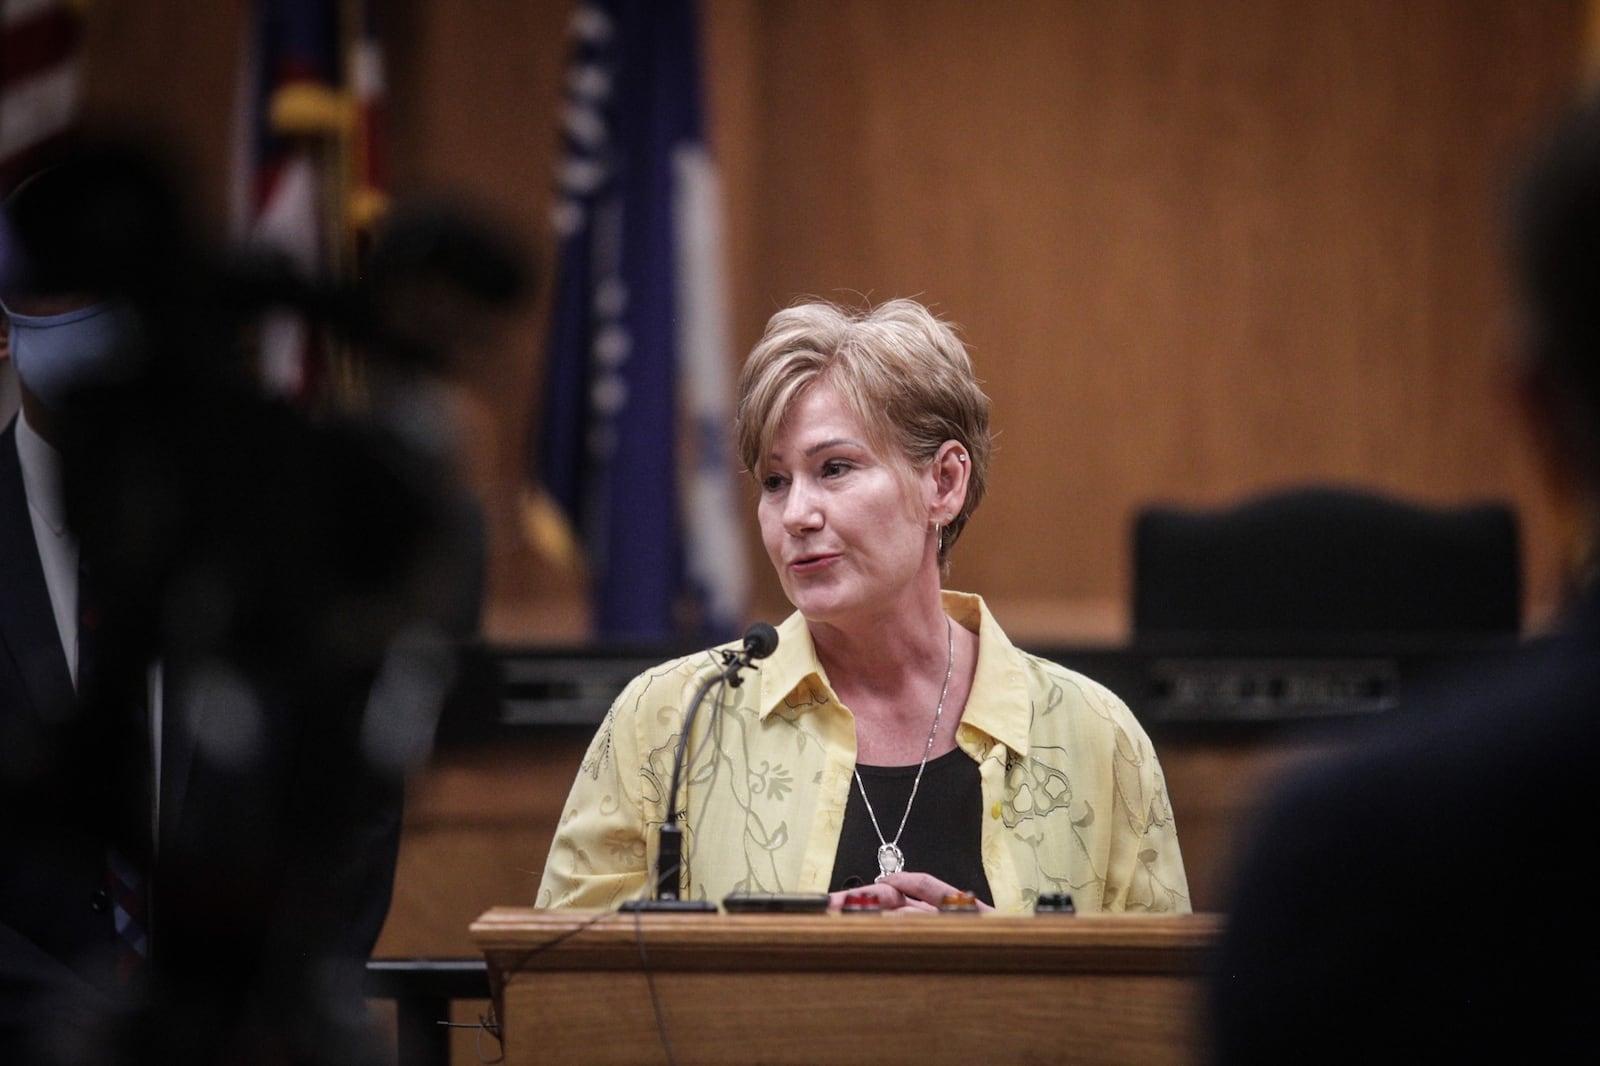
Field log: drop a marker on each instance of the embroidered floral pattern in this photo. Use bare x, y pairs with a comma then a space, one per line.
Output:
1085, 810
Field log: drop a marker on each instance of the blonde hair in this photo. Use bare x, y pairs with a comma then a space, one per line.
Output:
901, 370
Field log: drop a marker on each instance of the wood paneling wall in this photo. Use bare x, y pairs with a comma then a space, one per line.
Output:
1198, 250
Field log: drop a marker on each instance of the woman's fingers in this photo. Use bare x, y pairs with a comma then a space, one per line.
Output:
927, 889
904, 891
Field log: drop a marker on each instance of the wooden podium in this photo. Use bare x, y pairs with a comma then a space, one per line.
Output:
659, 987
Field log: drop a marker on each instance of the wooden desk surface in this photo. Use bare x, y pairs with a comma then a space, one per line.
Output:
588, 986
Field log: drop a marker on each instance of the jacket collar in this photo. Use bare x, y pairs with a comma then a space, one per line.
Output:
998, 705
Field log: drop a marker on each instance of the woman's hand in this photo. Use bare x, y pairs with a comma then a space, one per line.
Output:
904, 891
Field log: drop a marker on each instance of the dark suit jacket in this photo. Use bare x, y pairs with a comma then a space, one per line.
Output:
55, 921
277, 844
1427, 897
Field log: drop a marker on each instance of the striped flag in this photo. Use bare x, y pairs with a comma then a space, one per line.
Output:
634, 433
368, 174
307, 159
41, 45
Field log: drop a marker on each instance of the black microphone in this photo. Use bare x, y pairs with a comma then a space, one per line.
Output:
760, 641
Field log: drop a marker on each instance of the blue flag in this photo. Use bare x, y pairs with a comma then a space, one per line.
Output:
636, 419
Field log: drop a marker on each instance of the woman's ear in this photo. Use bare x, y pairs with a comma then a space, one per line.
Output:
952, 470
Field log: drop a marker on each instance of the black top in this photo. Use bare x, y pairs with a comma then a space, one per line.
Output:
942, 834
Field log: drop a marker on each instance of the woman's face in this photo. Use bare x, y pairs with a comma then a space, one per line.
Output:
840, 521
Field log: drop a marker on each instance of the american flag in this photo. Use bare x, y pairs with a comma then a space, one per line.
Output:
309, 163
40, 54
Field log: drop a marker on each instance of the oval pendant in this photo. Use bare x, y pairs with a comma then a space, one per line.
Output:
890, 861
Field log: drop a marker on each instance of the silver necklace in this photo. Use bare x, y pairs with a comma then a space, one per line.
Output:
890, 858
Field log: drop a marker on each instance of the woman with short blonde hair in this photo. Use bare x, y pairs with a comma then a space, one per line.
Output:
897, 750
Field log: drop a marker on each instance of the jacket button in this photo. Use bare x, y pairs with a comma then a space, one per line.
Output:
100, 902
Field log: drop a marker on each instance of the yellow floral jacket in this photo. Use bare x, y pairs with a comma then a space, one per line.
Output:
1074, 797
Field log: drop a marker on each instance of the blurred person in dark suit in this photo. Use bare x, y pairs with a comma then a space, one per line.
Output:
231, 719
1424, 897
59, 957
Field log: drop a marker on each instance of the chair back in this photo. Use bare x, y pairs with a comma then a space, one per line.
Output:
1314, 562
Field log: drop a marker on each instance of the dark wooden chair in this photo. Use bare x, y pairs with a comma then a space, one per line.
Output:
1313, 564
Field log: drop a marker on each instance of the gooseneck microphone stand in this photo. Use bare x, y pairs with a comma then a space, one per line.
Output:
760, 641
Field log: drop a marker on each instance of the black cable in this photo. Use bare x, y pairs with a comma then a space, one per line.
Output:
655, 999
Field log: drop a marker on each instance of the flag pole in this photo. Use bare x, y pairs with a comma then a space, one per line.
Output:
318, 117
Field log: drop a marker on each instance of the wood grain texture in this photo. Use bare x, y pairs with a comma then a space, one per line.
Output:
526, 938
580, 986
478, 825
1198, 250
